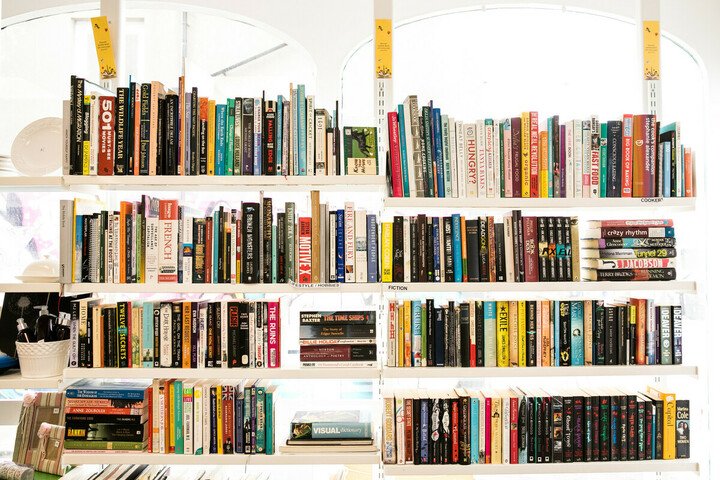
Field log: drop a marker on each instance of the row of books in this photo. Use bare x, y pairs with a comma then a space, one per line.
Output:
457, 249
521, 425
530, 333
338, 338
161, 472
155, 240
175, 333
434, 155
648, 250
146, 129
330, 431
181, 416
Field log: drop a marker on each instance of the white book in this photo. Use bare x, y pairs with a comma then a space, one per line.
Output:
391, 332
166, 334
452, 139
251, 334
330, 154
324, 244
66, 241
461, 159
489, 160
206, 416
586, 158
509, 262
400, 425
320, 143
310, 131
66, 137
202, 335
187, 419
161, 447
260, 324
594, 157
569, 160
577, 159
332, 277
406, 249
496, 156
506, 429
97, 336
480, 156
224, 334
471, 160
447, 177
234, 277
361, 254
197, 417
94, 132
349, 242
187, 240
473, 332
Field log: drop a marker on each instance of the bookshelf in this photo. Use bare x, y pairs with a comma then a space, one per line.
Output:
652, 204
234, 459
15, 381
225, 373
540, 372
538, 287
30, 287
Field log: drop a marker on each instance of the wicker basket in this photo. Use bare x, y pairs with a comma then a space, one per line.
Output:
43, 359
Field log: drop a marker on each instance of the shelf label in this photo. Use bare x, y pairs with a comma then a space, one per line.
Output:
316, 285
651, 199
397, 288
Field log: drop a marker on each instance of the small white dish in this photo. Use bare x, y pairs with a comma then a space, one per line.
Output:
37, 149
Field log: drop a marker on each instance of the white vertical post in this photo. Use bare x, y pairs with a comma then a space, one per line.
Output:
383, 10
649, 35
114, 10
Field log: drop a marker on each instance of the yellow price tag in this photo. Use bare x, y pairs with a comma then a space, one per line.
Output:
103, 47
383, 48
651, 49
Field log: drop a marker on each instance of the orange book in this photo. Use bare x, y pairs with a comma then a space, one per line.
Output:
545, 326
125, 210
463, 240
643, 165
689, 173
186, 333
203, 113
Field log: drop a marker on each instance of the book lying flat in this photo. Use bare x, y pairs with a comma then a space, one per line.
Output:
327, 449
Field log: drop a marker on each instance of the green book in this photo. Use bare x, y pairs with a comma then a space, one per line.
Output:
104, 445
178, 427
603, 160
269, 420
501, 157
230, 136
361, 155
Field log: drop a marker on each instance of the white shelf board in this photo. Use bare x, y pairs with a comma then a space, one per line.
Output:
103, 457
227, 182
583, 371
21, 183
545, 468
271, 288
15, 381
223, 373
29, 287
481, 287
560, 203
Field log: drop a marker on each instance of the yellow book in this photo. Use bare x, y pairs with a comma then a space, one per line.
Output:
211, 138
522, 332
407, 337
544, 176
86, 143
171, 417
400, 336
503, 337
386, 253
525, 150
513, 332
218, 407
668, 421
496, 428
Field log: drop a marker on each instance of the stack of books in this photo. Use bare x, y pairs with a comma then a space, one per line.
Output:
338, 339
624, 250
107, 415
521, 425
330, 431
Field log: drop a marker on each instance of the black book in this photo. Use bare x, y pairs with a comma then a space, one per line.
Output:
595, 422
414, 245
398, 266
551, 232
434, 441
519, 245
622, 334
416, 430
445, 431
447, 246
82, 345
632, 339
198, 263
604, 422
464, 429
479, 333
144, 128
447, 328
160, 159
682, 429
547, 429
121, 131
422, 248
132, 113
430, 322
281, 235
615, 432
171, 134
243, 340
234, 350
598, 323
77, 117
439, 340
567, 242
430, 252
623, 435
532, 429
451, 339
88, 340
427, 150
337, 331
543, 250
556, 155
588, 428
611, 332
218, 329
614, 158
437, 247
85, 263
251, 242
484, 249
177, 321
464, 334
567, 429
578, 428
109, 322
632, 426
473, 254
565, 333
156, 334
267, 239
531, 334
500, 274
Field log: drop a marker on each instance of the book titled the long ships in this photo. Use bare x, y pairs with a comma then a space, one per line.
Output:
146, 129
330, 431
160, 241
533, 333
432, 154
176, 333
627, 250
533, 425
456, 248
338, 338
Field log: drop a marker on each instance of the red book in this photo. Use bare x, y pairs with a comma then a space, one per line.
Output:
273, 334
149, 395
514, 449
408, 430
455, 430
516, 151
106, 136
488, 430
626, 171
228, 419
395, 165
304, 250
534, 155
643, 163
530, 249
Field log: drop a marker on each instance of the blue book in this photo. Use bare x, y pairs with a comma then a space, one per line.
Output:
457, 248
654, 436
439, 336
438, 151
278, 143
269, 421
403, 150
614, 419
424, 431
302, 133
372, 248
216, 228
108, 389
148, 336
239, 434
257, 138
551, 193
213, 421
340, 222
436, 248
178, 427
665, 152
577, 322
416, 341
220, 122
556, 333
474, 430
